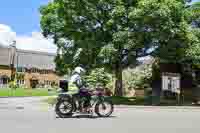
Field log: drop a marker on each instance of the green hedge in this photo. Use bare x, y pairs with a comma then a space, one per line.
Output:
116, 100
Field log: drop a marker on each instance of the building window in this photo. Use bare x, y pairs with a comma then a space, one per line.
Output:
21, 69
21, 82
34, 70
45, 72
47, 83
4, 81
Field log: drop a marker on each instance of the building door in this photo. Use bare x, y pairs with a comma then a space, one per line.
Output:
34, 83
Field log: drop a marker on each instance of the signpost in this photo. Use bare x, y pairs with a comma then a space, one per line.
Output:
171, 82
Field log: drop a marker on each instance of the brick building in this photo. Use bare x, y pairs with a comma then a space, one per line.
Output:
33, 69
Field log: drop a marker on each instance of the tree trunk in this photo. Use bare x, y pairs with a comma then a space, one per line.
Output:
119, 81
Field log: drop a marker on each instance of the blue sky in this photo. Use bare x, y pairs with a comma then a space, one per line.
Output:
22, 15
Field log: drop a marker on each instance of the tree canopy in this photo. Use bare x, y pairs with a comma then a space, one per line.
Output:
113, 33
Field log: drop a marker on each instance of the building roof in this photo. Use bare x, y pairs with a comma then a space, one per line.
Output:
33, 59
4, 56
27, 59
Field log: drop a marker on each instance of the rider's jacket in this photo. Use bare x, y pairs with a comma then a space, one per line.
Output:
75, 83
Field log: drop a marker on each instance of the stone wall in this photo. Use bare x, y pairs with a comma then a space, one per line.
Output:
41, 78
5, 71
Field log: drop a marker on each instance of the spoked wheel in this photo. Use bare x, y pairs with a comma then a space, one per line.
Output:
104, 109
64, 108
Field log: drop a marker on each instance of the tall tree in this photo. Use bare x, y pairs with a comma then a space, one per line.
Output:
96, 29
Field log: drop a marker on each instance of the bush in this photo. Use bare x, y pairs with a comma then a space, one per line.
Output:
138, 78
98, 76
13, 85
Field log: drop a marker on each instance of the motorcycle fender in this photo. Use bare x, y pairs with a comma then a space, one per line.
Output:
64, 97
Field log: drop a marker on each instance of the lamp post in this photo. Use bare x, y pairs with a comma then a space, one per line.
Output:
12, 63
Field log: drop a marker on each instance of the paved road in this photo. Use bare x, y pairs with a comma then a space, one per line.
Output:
29, 115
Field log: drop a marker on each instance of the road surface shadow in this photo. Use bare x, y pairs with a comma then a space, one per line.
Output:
85, 117
11, 108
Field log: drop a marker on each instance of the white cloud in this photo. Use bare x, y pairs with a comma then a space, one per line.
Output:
35, 42
7, 36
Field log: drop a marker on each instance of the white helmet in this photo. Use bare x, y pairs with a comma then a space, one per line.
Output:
79, 70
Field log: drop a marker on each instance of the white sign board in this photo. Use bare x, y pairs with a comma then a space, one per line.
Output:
171, 82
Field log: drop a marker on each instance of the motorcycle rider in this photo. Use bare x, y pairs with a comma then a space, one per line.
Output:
76, 81
77, 86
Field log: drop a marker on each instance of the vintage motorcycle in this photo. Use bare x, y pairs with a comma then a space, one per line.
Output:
99, 103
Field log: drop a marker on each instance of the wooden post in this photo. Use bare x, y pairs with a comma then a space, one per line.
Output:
178, 97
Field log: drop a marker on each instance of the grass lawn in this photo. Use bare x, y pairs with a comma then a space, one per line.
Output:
24, 92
